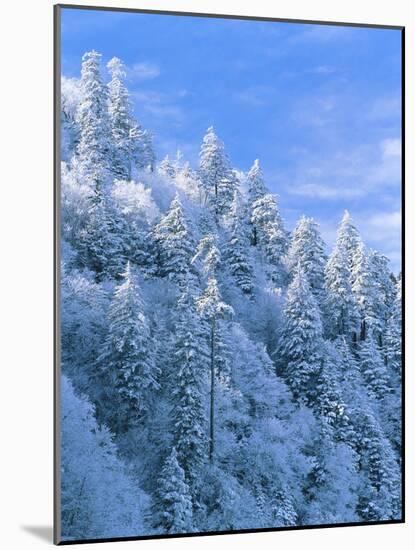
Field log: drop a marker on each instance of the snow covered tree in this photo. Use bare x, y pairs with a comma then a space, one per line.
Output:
172, 509
341, 315
212, 308
190, 364
131, 145
300, 351
364, 290
166, 167
256, 190
394, 336
380, 498
307, 249
271, 235
93, 149
98, 498
385, 293
373, 368
70, 99
174, 243
119, 109
126, 365
348, 239
99, 247
208, 253
237, 258
218, 180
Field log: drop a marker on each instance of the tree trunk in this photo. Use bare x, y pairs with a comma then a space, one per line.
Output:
212, 388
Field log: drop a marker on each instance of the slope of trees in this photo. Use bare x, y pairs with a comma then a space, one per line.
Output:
219, 372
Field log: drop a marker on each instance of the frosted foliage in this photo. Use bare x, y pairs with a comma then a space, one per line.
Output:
136, 201
218, 372
99, 498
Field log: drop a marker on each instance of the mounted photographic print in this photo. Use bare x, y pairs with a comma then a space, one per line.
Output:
228, 274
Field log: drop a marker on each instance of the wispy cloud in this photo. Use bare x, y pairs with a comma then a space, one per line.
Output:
157, 104
143, 71
322, 70
349, 175
321, 34
255, 96
385, 108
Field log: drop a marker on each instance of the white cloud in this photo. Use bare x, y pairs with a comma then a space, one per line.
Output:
322, 34
392, 147
386, 220
158, 104
322, 69
349, 175
386, 108
143, 71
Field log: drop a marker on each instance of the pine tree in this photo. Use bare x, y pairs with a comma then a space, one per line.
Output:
93, 149
348, 239
208, 253
174, 244
301, 340
172, 510
119, 109
341, 315
213, 309
256, 190
166, 167
385, 293
373, 368
307, 249
126, 365
100, 246
190, 363
364, 290
236, 255
394, 336
381, 499
131, 145
218, 180
271, 235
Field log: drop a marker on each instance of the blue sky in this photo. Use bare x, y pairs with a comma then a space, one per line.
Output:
318, 105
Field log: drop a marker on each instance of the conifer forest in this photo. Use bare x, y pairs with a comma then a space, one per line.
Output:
218, 371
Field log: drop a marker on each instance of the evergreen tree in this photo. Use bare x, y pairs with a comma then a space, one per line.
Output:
271, 235
166, 167
364, 290
174, 244
394, 336
93, 149
307, 249
131, 145
385, 293
212, 308
172, 509
256, 190
190, 363
236, 255
208, 253
373, 368
126, 365
301, 340
381, 497
100, 246
341, 315
218, 180
119, 109
348, 239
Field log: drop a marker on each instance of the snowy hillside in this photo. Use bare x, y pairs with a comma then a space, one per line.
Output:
219, 372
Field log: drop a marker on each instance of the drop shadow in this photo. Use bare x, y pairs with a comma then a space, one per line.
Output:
43, 532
